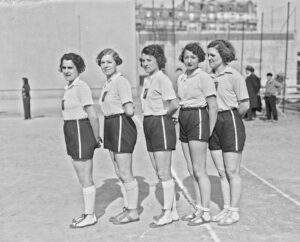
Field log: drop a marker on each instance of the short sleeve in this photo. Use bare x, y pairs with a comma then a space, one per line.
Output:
207, 85
124, 90
240, 87
85, 94
167, 90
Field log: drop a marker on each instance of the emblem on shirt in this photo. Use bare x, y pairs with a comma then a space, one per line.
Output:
216, 85
103, 96
63, 104
145, 93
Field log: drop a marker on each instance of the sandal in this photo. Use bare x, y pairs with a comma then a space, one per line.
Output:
175, 216
164, 218
83, 223
125, 218
232, 217
189, 217
200, 219
80, 218
220, 215
113, 218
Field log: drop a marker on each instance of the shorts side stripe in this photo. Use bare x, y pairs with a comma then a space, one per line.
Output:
79, 138
235, 131
200, 124
120, 133
164, 132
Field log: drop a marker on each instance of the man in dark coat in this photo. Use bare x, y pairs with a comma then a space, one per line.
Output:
253, 86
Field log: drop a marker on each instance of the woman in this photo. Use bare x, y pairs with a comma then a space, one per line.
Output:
159, 103
228, 138
81, 130
197, 117
120, 132
26, 98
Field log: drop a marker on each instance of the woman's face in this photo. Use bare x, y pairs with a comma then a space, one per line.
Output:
108, 65
69, 70
190, 60
214, 58
149, 64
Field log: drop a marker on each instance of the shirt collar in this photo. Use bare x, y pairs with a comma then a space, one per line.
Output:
114, 77
195, 72
227, 70
74, 83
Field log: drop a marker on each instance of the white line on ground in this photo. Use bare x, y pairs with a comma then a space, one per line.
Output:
272, 186
185, 192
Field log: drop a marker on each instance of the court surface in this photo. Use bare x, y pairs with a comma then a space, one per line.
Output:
40, 193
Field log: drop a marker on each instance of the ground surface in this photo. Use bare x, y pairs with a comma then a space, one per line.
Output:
40, 192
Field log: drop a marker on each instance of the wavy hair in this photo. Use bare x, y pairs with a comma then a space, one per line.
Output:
196, 49
225, 49
157, 52
76, 59
109, 51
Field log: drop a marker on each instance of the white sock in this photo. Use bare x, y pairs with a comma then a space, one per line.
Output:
89, 195
132, 192
124, 194
226, 206
234, 209
168, 189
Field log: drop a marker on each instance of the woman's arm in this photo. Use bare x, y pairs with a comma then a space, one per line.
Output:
212, 112
93, 117
171, 106
128, 109
243, 107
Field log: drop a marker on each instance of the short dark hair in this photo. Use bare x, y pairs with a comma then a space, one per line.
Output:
25, 80
76, 59
196, 49
157, 52
269, 74
109, 51
225, 49
250, 68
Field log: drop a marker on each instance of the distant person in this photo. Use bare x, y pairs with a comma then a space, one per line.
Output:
273, 88
253, 87
228, 138
197, 118
159, 103
26, 98
81, 130
120, 132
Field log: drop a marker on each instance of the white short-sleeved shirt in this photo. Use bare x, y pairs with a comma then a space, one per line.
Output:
76, 96
231, 88
156, 89
115, 93
193, 89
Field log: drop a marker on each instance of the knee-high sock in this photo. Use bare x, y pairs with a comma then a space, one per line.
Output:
132, 192
168, 188
89, 195
123, 191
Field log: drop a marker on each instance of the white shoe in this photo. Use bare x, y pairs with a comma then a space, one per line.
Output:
220, 215
86, 220
162, 220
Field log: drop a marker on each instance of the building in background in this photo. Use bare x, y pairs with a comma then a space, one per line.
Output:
210, 15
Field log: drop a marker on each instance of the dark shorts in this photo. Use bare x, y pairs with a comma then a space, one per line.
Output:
194, 124
120, 133
160, 133
80, 139
229, 133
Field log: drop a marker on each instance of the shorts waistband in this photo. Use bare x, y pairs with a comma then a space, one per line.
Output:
75, 120
192, 108
223, 111
148, 116
114, 115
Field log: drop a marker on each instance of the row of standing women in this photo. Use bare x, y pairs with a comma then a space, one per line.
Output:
210, 110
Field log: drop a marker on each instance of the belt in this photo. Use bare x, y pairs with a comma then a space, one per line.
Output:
73, 120
192, 108
114, 115
232, 109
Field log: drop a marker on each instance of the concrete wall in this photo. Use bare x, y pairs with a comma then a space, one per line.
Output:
35, 34
273, 51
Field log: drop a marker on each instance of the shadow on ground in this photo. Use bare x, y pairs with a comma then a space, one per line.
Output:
110, 191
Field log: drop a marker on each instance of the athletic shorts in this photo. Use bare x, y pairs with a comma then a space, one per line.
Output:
159, 132
120, 133
194, 124
80, 139
229, 133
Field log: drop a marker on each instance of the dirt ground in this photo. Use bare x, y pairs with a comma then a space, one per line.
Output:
40, 193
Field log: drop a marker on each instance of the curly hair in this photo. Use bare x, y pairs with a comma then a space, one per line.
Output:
76, 59
109, 51
158, 53
225, 49
196, 49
